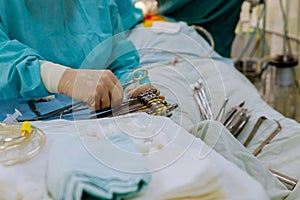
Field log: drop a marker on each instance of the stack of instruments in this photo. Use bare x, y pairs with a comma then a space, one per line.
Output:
147, 102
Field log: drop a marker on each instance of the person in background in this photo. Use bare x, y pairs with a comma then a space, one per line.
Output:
70, 47
218, 17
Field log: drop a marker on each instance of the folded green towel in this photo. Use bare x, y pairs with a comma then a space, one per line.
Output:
73, 173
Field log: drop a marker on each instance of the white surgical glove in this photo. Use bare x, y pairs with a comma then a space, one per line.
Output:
98, 88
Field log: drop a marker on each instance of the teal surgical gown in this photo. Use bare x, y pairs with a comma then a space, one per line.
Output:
129, 14
67, 32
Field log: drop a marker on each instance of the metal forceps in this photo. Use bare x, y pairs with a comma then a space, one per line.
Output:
137, 75
202, 101
74, 107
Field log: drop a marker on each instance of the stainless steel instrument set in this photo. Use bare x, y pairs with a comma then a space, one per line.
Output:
147, 102
235, 120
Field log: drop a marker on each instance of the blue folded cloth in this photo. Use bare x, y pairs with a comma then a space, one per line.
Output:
73, 173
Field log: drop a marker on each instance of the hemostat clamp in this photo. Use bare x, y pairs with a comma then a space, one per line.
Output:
147, 102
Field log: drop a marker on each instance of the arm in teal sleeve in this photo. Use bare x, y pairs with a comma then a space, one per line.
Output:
130, 15
20, 70
124, 58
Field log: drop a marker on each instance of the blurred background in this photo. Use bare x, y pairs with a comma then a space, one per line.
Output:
266, 49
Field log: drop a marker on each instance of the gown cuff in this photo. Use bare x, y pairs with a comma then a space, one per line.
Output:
51, 74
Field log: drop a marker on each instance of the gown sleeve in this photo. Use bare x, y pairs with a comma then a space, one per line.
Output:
124, 58
20, 70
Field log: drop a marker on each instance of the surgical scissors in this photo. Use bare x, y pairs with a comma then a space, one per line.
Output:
137, 75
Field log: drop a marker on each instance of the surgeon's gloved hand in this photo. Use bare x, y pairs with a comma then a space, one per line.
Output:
98, 88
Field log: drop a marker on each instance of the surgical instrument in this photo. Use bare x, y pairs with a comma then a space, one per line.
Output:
147, 102
289, 182
59, 112
220, 115
268, 139
137, 75
236, 119
254, 130
33, 107
202, 101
